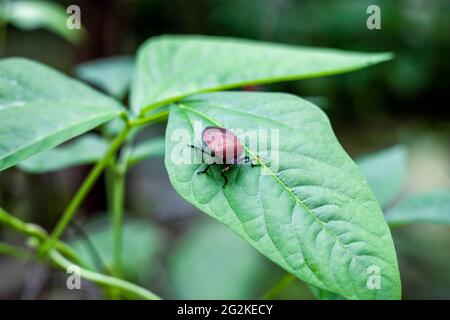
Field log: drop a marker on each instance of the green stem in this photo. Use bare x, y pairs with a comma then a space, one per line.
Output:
15, 251
61, 261
101, 279
82, 192
93, 175
109, 178
275, 291
118, 190
151, 118
47, 243
118, 204
32, 230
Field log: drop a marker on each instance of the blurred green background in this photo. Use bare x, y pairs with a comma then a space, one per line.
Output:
177, 251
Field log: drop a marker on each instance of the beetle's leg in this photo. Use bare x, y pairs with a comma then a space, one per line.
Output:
202, 150
204, 170
222, 173
255, 164
247, 159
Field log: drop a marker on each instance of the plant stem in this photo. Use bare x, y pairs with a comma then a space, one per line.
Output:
37, 232
101, 279
61, 261
275, 291
109, 178
151, 118
117, 220
93, 175
118, 204
48, 242
14, 251
82, 192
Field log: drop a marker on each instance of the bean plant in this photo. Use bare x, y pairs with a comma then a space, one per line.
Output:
313, 214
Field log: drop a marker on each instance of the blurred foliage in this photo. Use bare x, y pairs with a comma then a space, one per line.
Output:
87, 149
112, 75
32, 15
431, 207
211, 262
401, 102
385, 172
142, 243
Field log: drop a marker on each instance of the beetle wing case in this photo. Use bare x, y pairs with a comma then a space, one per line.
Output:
224, 143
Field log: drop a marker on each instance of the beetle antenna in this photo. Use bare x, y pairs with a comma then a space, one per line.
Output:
202, 150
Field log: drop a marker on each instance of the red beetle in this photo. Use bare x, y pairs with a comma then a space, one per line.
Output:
224, 147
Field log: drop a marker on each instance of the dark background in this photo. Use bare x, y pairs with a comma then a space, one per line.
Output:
402, 101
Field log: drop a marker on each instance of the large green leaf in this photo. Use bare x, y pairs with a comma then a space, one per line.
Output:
315, 215
41, 108
430, 207
141, 243
113, 74
171, 67
85, 150
385, 172
31, 15
211, 262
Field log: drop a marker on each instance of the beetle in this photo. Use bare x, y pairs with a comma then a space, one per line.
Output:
225, 148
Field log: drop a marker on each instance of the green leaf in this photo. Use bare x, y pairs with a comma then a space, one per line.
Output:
87, 149
147, 149
41, 108
32, 15
84, 150
211, 262
113, 75
430, 207
171, 67
314, 215
385, 172
141, 244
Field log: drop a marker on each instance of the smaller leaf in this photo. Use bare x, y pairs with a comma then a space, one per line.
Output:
148, 149
385, 172
85, 150
41, 108
113, 74
31, 15
166, 70
142, 242
430, 207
